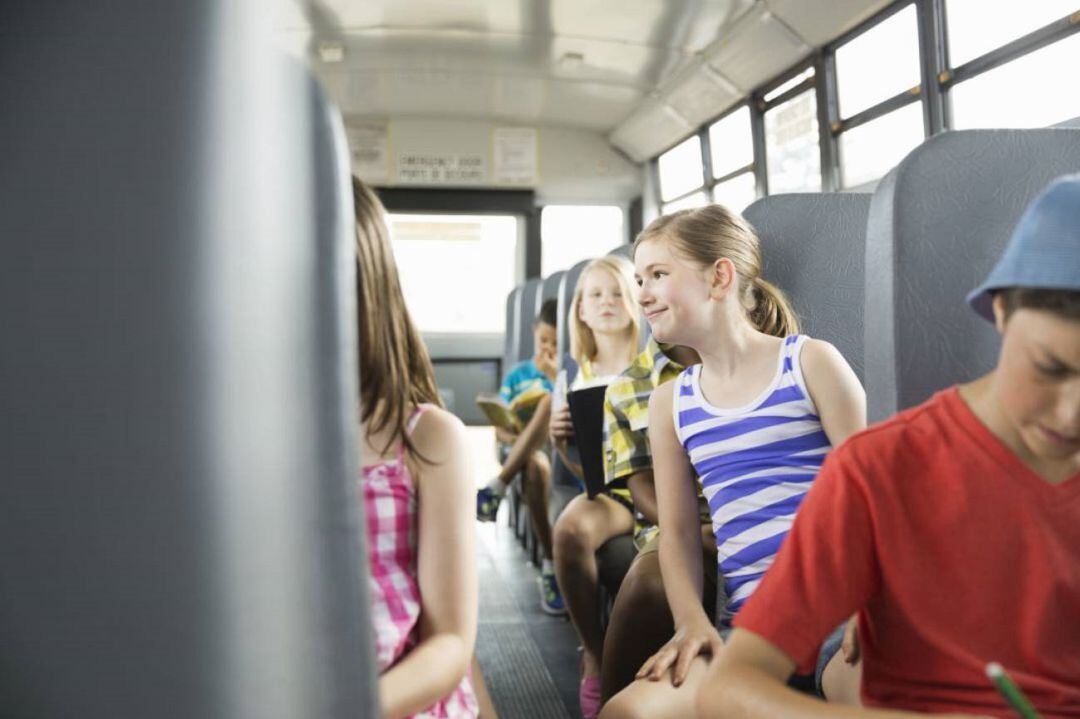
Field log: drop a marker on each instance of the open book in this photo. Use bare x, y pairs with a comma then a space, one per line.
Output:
514, 415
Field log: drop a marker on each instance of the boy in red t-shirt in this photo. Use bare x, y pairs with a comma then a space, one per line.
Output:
952, 529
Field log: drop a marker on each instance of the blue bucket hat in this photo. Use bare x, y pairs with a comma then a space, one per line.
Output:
1044, 251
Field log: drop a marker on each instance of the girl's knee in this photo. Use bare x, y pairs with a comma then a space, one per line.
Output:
573, 531
624, 705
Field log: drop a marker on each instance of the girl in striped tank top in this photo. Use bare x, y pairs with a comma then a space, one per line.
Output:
753, 422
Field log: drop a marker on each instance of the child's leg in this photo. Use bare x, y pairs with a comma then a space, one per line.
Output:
537, 492
581, 529
531, 439
640, 624
840, 682
659, 699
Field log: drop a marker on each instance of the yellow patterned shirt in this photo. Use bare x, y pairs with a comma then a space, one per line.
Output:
626, 413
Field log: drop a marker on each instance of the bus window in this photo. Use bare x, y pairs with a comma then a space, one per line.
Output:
681, 169
571, 233
791, 145
975, 29
456, 270
862, 80
869, 151
1030, 91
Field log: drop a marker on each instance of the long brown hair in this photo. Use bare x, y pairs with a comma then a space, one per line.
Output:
395, 369
707, 234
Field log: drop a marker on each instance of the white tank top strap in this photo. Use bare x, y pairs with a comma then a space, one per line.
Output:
793, 352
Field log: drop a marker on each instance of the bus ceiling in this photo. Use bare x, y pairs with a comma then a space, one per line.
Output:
642, 73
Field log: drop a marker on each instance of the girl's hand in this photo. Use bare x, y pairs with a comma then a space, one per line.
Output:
697, 637
561, 427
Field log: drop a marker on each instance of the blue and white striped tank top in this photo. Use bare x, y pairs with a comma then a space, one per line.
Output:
755, 464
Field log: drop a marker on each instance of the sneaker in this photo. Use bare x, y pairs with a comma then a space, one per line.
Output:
551, 600
487, 504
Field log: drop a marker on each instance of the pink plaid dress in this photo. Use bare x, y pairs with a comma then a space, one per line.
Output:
390, 504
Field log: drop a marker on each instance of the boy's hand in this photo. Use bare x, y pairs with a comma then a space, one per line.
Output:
561, 427
545, 362
850, 645
698, 637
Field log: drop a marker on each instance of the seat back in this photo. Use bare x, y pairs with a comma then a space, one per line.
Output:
549, 289
530, 303
623, 251
567, 285
179, 533
937, 224
512, 337
812, 245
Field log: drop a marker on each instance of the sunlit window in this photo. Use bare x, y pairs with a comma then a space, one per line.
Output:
976, 26
1035, 90
571, 233
737, 193
871, 150
680, 168
791, 146
731, 143
698, 199
878, 64
456, 270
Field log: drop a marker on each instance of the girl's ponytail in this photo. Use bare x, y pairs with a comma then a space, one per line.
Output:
772, 312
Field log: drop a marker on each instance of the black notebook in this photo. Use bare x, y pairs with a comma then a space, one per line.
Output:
587, 415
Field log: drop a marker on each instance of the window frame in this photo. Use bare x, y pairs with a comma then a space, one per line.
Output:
937, 78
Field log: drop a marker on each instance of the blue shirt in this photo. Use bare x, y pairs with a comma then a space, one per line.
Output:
523, 377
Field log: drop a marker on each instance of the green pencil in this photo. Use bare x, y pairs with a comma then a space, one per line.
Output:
1010, 692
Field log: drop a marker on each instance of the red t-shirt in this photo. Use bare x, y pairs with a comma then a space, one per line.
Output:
954, 553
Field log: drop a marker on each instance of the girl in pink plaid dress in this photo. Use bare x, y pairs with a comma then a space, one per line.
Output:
418, 499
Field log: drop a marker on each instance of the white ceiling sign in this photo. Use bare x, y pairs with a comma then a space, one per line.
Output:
515, 156
441, 168
369, 149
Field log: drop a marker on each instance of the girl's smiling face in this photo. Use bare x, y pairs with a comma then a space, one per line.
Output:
603, 308
674, 294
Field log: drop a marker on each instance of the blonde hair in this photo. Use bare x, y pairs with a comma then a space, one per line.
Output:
582, 339
395, 369
707, 234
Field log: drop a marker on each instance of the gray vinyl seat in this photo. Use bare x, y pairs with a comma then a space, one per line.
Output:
623, 251
530, 304
512, 338
937, 224
179, 369
812, 246
567, 285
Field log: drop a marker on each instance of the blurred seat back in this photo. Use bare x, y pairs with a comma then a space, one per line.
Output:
937, 224
180, 534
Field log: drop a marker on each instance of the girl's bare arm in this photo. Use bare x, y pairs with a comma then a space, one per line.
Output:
834, 389
680, 545
446, 571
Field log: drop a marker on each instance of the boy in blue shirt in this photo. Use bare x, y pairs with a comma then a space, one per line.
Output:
524, 451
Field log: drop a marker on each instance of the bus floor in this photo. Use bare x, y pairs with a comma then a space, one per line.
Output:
529, 659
